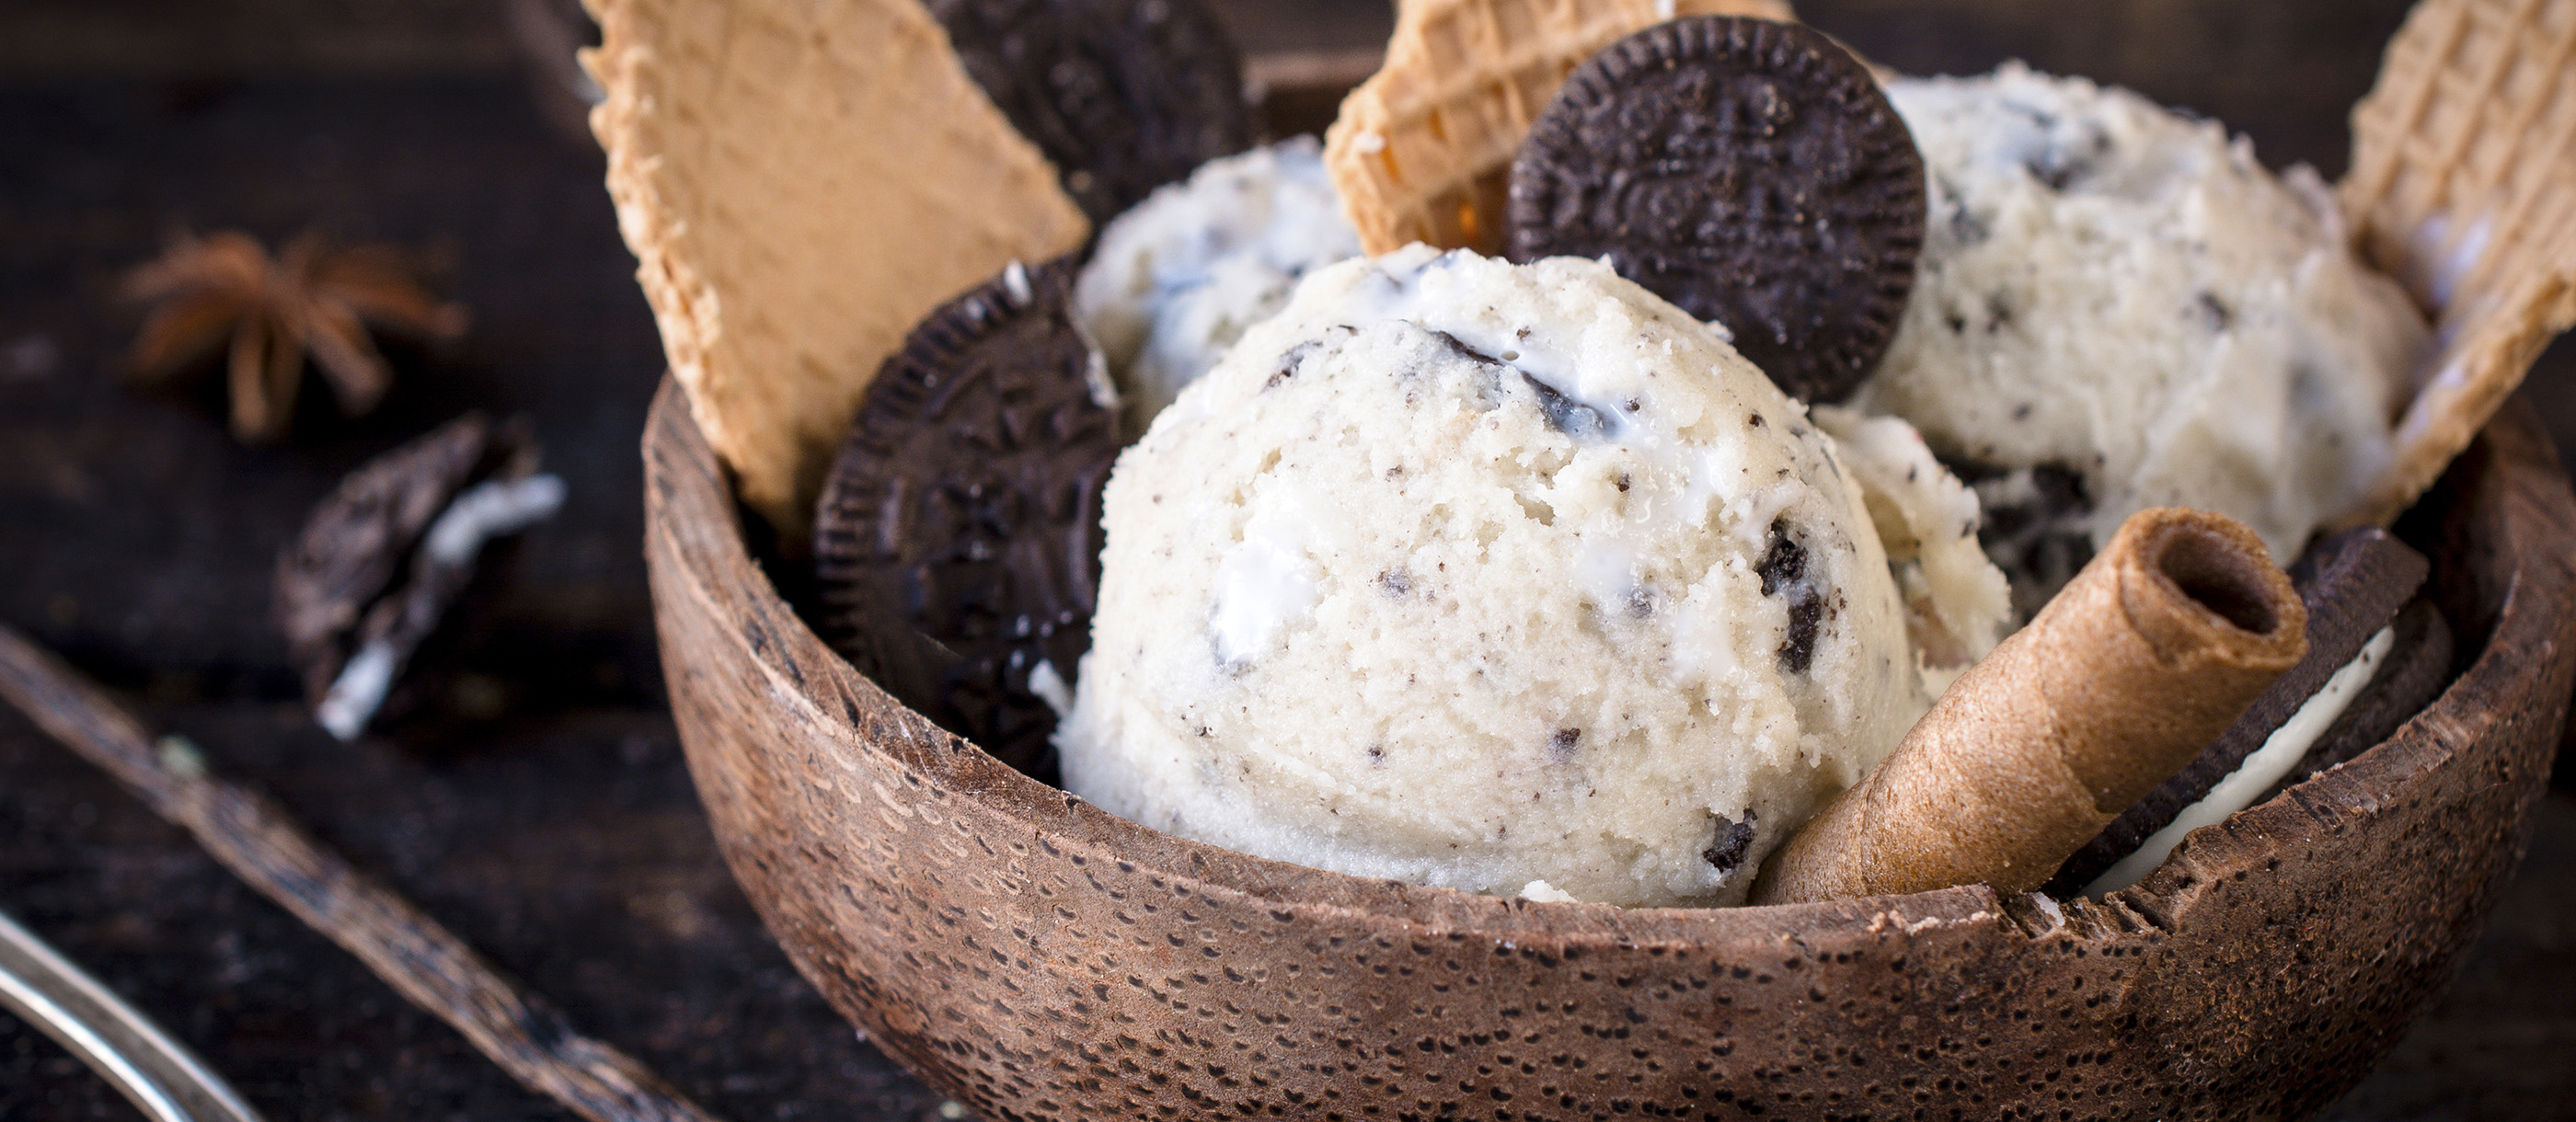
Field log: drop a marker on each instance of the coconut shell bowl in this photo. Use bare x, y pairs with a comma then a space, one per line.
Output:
1035, 957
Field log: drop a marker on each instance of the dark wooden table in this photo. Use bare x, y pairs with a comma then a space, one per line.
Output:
539, 807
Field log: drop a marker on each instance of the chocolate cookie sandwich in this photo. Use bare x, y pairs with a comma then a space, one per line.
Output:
957, 544
366, 588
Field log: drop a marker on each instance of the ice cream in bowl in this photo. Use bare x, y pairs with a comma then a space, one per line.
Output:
1501, 692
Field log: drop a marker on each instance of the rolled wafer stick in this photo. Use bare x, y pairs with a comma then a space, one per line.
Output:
2149, 653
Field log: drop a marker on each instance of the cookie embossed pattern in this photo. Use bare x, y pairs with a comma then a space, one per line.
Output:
1039, 958
1793, 220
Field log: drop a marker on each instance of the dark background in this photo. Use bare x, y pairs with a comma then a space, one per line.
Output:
538, 805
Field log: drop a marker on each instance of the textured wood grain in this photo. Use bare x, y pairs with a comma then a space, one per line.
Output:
520, 1031
1040, 959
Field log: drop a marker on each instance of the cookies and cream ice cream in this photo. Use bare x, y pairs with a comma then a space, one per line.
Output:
2117, 307
1177, 279
1520, 580
1957, 603
1474, 574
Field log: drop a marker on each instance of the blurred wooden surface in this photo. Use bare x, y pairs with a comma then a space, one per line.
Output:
541, 810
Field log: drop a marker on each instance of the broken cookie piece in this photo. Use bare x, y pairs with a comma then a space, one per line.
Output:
382, 560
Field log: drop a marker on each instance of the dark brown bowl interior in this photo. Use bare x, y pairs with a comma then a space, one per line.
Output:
1038, 958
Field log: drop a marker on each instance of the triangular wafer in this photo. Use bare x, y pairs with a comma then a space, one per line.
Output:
800, 181
2463, 186
1423, 150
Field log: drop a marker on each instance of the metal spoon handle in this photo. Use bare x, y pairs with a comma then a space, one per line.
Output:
160, 1075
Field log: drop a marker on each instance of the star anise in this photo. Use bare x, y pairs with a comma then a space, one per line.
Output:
314, 298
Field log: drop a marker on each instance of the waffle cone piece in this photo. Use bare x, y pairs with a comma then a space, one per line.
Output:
801, 181
1422, 151
2148, 655
2463, 187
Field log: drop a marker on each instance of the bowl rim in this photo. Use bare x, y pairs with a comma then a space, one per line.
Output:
2515, 486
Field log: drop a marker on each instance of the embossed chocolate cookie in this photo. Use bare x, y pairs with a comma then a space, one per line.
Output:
957, 544
1750, 172
1123, 95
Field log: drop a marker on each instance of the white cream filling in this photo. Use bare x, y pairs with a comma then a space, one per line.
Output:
492, 509
488, 510
2264, 767
1048, 683
358, 692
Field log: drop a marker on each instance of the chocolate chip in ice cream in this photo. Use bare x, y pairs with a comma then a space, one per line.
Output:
1566, 415
1784, 574
1748, 171
958, 539
1123, 95
1726, 851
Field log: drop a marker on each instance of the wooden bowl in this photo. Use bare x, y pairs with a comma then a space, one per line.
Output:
1037, 958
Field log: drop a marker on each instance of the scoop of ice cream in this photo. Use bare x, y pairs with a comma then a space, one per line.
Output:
2117, 307
1177, 279
1474, 574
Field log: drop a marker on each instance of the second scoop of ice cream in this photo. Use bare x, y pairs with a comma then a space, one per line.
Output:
1177, 279
1473, 574
2117, 307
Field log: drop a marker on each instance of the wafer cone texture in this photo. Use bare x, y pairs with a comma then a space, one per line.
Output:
2463, 186
2117, 684
801, 181
1422, 152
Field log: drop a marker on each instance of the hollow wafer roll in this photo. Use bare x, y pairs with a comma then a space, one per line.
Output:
2149, 653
